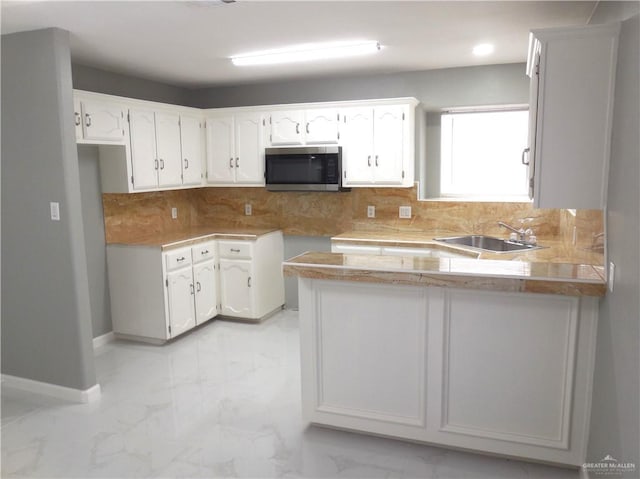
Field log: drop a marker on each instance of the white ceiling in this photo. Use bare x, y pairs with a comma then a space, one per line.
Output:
188, 43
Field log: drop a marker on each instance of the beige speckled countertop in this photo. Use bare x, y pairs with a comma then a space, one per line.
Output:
557, 268
553, 251
196, 235
497, 275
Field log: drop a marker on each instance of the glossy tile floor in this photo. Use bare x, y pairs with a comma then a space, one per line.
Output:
222, 401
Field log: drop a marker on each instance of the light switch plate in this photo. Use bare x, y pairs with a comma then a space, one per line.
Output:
248, 211
611, 276
371, 211
54, 206
405, 212
174, 213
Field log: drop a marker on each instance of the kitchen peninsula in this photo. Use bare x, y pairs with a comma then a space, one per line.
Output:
493, 355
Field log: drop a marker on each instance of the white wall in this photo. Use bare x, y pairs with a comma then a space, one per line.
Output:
615, 421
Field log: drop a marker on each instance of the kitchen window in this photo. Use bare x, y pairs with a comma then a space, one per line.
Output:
481, 154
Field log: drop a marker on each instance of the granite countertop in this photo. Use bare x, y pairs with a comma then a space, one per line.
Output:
553, 251
195, 235
470, 273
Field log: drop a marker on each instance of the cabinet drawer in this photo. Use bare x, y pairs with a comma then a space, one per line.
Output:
203, 252
235, 249
178, 259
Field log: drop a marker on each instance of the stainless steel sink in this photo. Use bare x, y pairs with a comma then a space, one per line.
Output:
488, 243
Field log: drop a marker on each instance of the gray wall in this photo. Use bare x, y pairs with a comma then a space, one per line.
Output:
615, 421
102, 81
481, 85
95, 245
293, 246
46, 317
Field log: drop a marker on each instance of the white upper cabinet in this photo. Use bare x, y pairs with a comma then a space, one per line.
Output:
572, 74
235, 149
168, 149
171, 147
316, 126
144, 159
287, 127
321, 126
99, 121
192, 147
377, 146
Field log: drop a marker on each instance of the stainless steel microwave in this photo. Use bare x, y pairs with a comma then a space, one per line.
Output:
309, 168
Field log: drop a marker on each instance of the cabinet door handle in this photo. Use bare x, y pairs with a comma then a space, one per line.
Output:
525, 152
198, 286
78, 118
191, 288
249, 282
369, 160
156, 163
180, 259
237, 160
307, 127
376, 160
230, 162
186, 164
161, 164
297, 128
204, 252
87, 120
234, 250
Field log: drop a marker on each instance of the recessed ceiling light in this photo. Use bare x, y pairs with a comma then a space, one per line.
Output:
483, 49
307, 52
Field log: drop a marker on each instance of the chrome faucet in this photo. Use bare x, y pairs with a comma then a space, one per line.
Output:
521, 232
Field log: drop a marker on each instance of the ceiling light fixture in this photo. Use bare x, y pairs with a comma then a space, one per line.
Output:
483, 49
307, 52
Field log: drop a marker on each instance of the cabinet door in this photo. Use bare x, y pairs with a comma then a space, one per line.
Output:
249, 148
220, 152
77, 117
529, 155
204, 277
102, 121
144, 161
388, 128
168, 149
236, 294
192, 150
287, 128
180, 293
357, 154
321, 126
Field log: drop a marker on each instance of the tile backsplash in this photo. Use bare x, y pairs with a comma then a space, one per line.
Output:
328, 214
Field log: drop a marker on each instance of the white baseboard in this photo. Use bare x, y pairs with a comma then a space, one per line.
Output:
61, 392
103, 339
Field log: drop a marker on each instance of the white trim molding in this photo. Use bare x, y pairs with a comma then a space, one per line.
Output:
61, 392
103, 339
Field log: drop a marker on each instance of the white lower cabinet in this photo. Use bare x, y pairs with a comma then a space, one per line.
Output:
251, 282
498, 372
180, 301
155, 295
236, 294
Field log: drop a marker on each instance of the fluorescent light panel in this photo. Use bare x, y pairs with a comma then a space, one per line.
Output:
307, 53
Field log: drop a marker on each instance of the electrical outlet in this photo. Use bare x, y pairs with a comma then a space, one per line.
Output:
248, 211
55, 211
611, 276
405, 212
371, 211
174, 213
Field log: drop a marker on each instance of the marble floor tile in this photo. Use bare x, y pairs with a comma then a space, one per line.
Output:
221, 401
